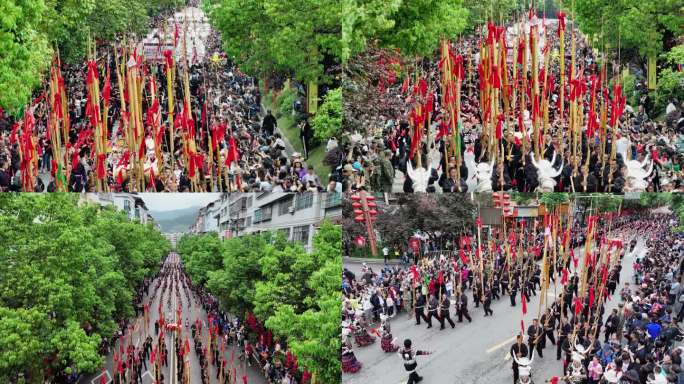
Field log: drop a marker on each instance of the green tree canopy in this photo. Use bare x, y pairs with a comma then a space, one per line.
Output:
25, 51
646, 26
428, 213
69, 274
295, 292
31, 29
300, 39
415, 27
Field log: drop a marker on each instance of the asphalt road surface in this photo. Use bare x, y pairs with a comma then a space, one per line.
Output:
472, 353
191, 310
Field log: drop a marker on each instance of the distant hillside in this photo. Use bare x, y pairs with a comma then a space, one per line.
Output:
177, 220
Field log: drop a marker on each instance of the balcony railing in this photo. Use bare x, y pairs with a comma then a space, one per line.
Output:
332, 199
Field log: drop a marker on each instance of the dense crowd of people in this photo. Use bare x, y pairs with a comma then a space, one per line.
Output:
247, 151
380, 146
635, 342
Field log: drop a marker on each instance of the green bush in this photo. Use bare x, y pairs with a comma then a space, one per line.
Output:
629, 87
285, 101
328, 120
670, 88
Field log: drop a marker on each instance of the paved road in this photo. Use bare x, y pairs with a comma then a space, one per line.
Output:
475, 353
190, 309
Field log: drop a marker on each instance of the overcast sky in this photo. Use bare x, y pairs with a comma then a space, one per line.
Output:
158, 202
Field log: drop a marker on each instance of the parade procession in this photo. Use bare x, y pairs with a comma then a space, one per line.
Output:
568, 288
341, 191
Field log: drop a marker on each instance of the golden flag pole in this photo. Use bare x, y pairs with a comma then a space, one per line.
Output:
535, 89
561, 33
189, 147
170, 78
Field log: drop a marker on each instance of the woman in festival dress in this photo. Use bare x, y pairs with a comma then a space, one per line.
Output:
349, 362
387, 342
361, 335
577, 373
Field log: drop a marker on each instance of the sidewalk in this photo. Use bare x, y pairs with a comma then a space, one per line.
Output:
359, 260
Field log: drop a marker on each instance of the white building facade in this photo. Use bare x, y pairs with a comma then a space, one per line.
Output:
297, 216
134, 206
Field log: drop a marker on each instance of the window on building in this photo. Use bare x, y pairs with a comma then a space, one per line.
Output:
266, 212
301, 234
137, 212
284, 206
127, 206
304, 200
249, 202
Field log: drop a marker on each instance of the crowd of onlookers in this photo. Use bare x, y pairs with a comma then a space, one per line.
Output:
377, 148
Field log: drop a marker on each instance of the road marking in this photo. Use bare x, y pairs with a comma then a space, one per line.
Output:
106, 372
507, 357
503, 343
147, 373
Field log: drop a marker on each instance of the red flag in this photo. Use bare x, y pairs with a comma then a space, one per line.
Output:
522, 326
496, 79
440, 278
101, 159
499, 127
405, 84
464, 258
107, 90
524, 303
168, 55
578, 306
233, 154
176, 34
244, 379
591, 297
564, 277
103, 378
554, 380
153, 356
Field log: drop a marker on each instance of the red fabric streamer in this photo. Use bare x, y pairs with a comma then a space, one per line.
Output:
496, 78
101, 159
168, 56
233, 154
578, 306
107, 90
499, 127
